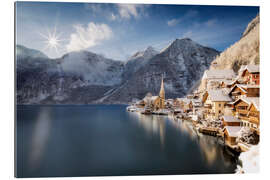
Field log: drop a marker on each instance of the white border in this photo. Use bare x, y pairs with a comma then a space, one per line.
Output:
7, 87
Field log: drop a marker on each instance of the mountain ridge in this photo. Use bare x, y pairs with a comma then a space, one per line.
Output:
85, 77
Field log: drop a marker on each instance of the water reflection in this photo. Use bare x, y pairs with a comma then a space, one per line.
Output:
152, 124
41, 133
210, 147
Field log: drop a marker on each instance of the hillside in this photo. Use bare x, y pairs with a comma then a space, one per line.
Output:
245, 51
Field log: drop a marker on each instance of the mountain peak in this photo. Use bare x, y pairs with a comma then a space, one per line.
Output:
23, 51
148, 53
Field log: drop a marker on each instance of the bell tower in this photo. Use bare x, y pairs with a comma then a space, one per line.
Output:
162, 95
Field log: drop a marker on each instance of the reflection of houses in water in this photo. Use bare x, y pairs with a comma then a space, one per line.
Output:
208, 148
184, 127
152, 124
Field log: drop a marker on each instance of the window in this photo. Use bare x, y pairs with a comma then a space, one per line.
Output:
219, 111
219, 105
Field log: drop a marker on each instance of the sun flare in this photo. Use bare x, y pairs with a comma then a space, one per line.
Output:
52, 40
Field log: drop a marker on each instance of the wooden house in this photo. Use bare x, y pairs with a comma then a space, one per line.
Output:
230, 121
254, 114
243, 90
247, 110
230, 134
251, 74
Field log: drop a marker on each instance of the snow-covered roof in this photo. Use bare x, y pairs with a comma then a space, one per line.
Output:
185, 100
226, 90
249, 86
218, 95
256, 103
230, 119
250, 100
154, 98
233, 131
252, 68
239, 86
219, 74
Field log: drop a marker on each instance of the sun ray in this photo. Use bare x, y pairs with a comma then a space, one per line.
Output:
52, 40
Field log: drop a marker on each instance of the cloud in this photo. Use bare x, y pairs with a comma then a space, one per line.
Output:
189, 14
210, 22
173, 22
90, 36
126, 11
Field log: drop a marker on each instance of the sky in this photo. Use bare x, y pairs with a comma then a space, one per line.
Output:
117, 31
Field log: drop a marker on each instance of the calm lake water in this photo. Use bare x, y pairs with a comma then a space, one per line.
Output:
95, 140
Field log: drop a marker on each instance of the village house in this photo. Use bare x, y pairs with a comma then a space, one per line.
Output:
211, 78
230, 121
250, 74
244, 90
214, 102
230, 134
229, 83
247, 110
184, 103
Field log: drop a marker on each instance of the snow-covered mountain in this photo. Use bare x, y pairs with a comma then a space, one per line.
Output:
85, 77
75, 78
182, 64
245, 51
138, 60
23, 52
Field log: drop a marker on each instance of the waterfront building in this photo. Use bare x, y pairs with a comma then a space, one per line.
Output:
230, 121
214, 102
154, 102
230, 134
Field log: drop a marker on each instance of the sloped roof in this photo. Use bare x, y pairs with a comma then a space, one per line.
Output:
185, 100
239, 86
218, 95
249, 100
256, 103
219, 74
233, 131
230, 119
253, 68
154, 98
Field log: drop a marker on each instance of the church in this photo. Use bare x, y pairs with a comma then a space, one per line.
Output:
156, 102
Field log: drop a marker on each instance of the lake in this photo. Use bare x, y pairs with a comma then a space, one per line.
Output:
94, 140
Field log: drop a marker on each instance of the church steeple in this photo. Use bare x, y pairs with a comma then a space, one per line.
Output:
162, 91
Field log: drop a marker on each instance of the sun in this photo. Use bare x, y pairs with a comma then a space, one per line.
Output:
52, 40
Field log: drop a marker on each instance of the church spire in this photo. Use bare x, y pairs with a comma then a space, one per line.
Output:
162, 91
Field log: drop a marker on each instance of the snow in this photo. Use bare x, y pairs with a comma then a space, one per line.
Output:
250, 161
95, 69
218, 95
252, 68
219, 74
246, 135
230, 119
233, 131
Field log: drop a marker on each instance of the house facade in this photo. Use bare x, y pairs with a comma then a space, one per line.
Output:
214, 102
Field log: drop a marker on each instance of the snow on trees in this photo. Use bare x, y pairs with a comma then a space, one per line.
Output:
246, 135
